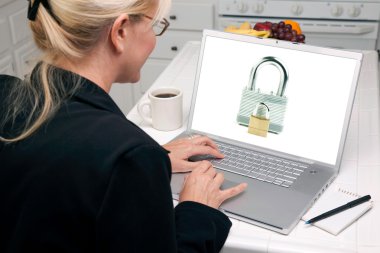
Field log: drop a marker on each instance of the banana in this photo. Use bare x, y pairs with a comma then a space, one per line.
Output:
252, 32
267, 34
245, 25
230, 28
246, 29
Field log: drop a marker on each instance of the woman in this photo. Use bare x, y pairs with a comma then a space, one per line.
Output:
75, 174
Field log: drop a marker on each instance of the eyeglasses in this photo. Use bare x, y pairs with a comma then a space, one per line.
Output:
159, 26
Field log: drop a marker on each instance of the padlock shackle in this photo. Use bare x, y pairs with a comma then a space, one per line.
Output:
261, 103
270, 60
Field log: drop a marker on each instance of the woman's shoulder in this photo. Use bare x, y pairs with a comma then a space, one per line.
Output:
127, 134
6, 84
93, 127
121, 129
6, 81
8, 78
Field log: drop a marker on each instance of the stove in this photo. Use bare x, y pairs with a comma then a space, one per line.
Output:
336, 23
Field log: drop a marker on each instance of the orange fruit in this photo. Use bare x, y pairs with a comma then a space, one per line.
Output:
295, 25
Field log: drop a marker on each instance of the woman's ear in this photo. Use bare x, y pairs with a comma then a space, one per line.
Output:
118, 33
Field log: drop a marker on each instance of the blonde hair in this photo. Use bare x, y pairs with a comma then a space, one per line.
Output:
70, 29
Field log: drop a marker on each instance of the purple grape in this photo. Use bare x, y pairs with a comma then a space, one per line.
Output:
281, 24
288, 36
294, 32
300, 38
274, 27
294, 39
281, 35
286, 30
280, 30
275, 35
289, 26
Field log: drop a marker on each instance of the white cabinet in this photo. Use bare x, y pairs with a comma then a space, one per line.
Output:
187, 20
6, 65
4, 2
191, 15
19, 25
172, 42
18, 52
5, 38
151, 70
26, 58
122, 94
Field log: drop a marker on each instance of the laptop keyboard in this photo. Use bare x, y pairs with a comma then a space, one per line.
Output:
259, 166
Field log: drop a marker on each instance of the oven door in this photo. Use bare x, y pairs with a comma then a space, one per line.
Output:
336, 34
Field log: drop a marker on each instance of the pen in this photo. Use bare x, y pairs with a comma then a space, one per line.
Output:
339, 209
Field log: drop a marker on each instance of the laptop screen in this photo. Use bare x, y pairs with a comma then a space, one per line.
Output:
305, 114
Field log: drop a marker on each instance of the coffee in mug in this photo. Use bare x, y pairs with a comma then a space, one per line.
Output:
165, 95
165, 106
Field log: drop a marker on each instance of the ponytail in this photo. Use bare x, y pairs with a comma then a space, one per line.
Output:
67, 29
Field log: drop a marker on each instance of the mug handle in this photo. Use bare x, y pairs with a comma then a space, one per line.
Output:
140, 109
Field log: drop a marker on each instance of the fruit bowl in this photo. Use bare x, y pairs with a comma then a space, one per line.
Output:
284, 30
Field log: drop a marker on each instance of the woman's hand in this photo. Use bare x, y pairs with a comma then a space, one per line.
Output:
202, 185
182, 149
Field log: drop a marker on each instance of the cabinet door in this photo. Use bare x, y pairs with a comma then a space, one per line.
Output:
19, 25
6, 66
5, 38
191, 16
172, 42
126, 95
4, 2
122, 94
149, 73
26, 58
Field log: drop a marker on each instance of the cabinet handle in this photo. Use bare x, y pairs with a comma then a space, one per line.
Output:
173, 17
174, 48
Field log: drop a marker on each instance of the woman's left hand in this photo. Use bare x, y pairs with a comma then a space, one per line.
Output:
182, 149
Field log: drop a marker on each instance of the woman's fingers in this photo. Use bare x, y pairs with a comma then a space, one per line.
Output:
233, 191
219, 179
203, 167
204, 150
203, 140
186, 166
230, 192
203, 186
211, 171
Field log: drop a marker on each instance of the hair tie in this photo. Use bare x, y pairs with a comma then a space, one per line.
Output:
33, 9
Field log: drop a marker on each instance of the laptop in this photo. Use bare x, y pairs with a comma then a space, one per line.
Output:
279, 111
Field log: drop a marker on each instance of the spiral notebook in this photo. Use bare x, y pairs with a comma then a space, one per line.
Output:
331, 199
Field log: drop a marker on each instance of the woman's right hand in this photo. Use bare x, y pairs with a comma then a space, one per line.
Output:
202, 185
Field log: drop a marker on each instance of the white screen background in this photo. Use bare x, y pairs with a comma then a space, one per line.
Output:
317, 90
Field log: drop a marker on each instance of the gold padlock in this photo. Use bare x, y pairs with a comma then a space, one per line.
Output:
259, 120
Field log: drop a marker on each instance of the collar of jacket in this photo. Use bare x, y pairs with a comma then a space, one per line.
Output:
88, 91
92, 94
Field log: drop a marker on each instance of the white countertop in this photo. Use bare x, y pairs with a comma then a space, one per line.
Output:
360, 171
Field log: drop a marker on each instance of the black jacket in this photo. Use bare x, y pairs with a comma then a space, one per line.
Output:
89, 180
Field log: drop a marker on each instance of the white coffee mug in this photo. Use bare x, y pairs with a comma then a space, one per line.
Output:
165, 106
